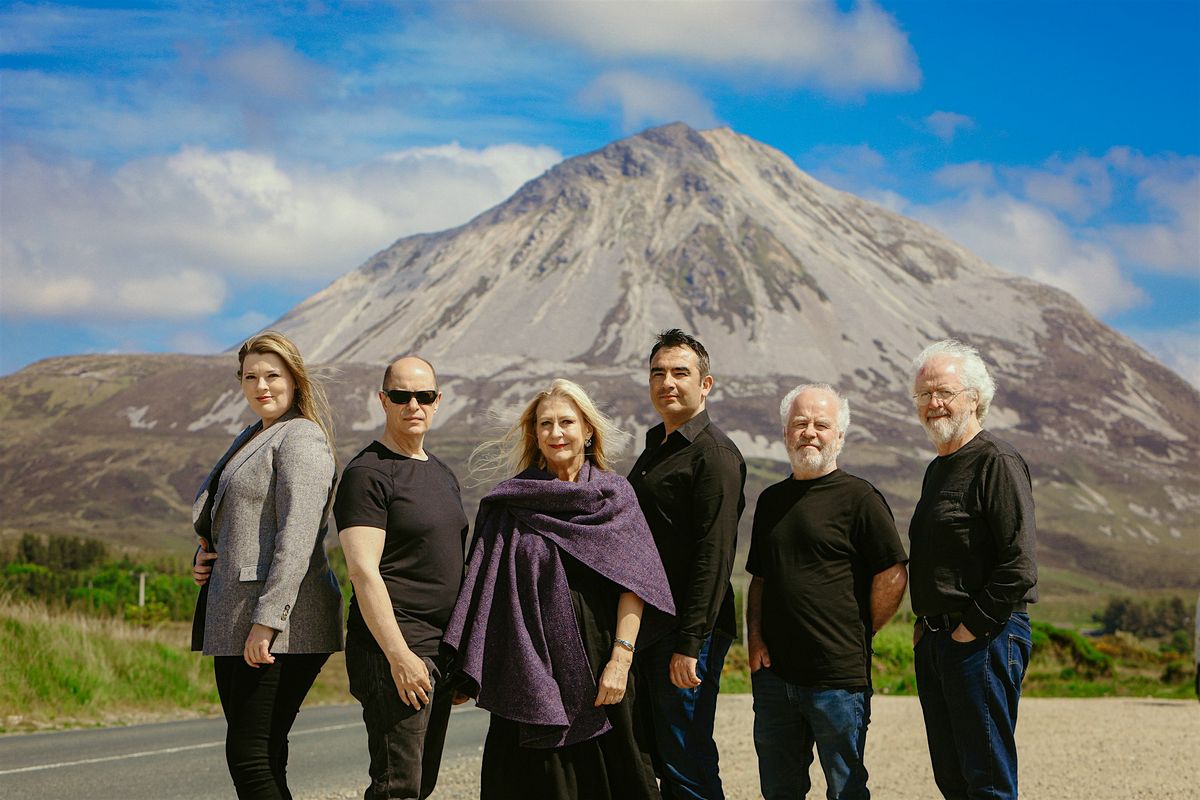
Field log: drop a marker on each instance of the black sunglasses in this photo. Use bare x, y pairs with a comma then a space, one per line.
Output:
400, 397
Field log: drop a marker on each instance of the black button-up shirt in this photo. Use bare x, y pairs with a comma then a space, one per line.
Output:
690, 487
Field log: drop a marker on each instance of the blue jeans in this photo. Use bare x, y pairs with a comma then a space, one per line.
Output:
789, 719
682, 719
969, 695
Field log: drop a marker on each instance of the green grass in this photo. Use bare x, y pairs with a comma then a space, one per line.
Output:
1064, 664
66, 670
63, 669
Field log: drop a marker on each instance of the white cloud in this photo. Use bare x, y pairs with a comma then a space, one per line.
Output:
1106, 191
643, 101
197, 342
267, 71
814, 42
93, 116
1029, 240
158, 237
946, 124
250, 321
1177, 348
1080, 187
971, 175
859, 169
892, 201
268, 83
179, 294
1171, 243
62, 29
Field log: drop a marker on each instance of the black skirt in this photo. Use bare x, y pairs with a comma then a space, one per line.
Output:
613, 766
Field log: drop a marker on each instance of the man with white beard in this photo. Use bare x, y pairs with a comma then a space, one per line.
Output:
828, 571
973, 575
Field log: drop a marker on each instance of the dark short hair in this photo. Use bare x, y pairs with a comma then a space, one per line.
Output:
677, 338
387, 373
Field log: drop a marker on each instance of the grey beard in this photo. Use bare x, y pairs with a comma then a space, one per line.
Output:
945, 429
807, 463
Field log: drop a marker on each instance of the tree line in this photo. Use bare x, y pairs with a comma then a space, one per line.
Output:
71, 572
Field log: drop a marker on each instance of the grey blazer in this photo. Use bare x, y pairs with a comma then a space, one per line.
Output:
269, 519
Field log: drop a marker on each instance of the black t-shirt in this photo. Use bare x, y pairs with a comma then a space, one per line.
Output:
817, 544
973, 536
419, 507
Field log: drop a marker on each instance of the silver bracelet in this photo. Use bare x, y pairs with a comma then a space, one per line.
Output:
626, 644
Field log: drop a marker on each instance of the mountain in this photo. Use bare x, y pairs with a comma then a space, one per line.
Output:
783, 278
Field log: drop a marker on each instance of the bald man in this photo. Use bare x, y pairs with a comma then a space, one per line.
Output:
403, 530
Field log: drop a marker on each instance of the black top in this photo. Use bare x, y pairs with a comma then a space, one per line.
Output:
973, 535
690, 488
418, 506
817, 545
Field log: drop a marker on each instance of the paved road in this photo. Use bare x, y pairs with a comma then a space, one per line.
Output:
328, 756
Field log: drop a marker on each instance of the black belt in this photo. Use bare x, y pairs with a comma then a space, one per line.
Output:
941, 622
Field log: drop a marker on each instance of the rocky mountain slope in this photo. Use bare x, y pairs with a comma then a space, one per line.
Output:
783, 278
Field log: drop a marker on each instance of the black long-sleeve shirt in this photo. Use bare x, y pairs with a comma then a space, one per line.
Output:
973, 535
691, 489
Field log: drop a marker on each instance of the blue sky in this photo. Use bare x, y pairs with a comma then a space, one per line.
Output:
175, 176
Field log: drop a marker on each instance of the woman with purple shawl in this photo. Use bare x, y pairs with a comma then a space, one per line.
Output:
563, 584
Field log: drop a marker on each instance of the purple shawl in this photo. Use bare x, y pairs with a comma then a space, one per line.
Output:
514, 628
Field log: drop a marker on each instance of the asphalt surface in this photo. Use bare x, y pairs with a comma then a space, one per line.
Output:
327, 757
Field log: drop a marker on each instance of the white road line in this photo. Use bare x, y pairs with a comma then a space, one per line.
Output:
164, 751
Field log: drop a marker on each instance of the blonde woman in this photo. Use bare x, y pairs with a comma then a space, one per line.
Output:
270, 611
563, 585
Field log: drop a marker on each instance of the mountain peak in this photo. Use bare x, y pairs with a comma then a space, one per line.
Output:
674, 136
711, 230
722, 235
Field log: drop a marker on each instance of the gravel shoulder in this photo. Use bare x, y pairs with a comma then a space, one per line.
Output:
1094, 749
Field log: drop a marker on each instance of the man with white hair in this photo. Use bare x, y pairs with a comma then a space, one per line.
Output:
973, 575
828, 571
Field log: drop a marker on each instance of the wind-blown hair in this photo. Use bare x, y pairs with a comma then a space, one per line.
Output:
677, 338
517, 449
843, 405
975, 375
310, 401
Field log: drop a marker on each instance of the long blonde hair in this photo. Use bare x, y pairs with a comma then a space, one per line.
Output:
310, 402
517, 449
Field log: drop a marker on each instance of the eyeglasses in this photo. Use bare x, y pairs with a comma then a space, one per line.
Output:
400, 397
943, 396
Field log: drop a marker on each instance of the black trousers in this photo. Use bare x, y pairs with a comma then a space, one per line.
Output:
260, 706
405, 744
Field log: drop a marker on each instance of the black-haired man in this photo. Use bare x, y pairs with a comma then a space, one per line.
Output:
689, 481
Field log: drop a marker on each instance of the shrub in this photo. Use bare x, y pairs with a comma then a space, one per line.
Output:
150, 614
1143, 618
1080, 655
1177, 672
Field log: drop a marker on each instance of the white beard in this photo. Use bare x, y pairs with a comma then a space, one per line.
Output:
943, 430
811, 462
